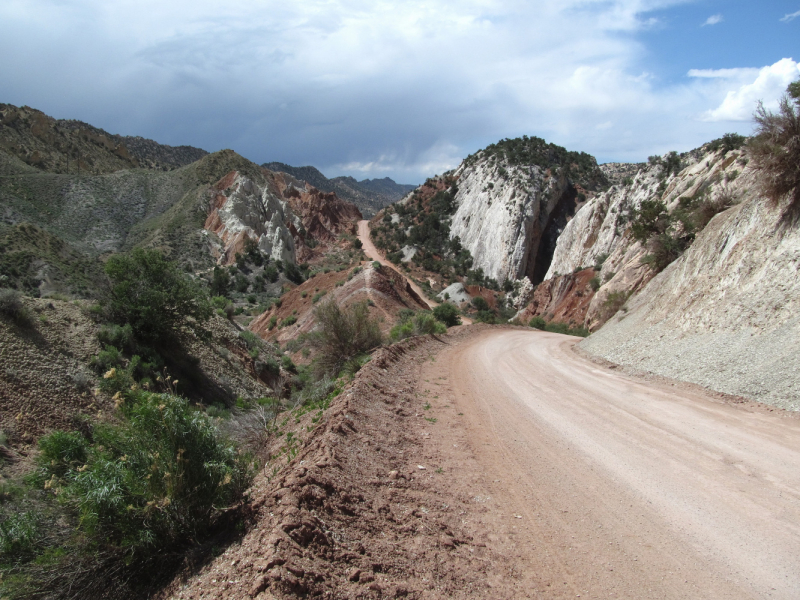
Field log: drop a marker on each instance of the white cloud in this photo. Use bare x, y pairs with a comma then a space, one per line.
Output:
364, 87
721, 73
791, 16
713, 20
768, 86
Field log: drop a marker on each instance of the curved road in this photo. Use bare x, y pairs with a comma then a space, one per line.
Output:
619, 487
372, 252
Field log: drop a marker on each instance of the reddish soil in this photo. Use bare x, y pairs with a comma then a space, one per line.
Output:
385, 288
499, 463
564, 299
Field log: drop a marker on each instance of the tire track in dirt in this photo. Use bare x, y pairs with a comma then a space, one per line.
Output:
618, 487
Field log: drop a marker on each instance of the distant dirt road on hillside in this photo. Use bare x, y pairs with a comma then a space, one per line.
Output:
372, 252
598, 484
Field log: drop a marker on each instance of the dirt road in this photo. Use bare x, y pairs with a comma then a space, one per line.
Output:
372, 252
597, 484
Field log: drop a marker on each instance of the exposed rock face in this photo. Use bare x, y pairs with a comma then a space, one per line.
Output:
725, 314
599, 232
242, 209
500, 219
323, 215
564, 299
454, 294
514, 199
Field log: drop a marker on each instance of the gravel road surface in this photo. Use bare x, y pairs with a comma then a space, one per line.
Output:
603, 485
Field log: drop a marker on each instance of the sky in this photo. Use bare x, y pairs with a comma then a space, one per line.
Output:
403, 89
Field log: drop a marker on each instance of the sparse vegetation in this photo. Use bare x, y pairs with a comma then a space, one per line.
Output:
775, 148
342, 333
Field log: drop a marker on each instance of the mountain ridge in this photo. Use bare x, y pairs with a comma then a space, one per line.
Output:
369, 195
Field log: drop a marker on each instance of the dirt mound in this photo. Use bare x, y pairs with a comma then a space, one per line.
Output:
358, 513
385, 289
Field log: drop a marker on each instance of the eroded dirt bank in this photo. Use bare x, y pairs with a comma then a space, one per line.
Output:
544, 476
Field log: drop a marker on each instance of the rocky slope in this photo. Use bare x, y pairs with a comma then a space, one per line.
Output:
47, 381
68, 146
383, 288
243, 209
513, 200
725, 314
600, 233
369, 195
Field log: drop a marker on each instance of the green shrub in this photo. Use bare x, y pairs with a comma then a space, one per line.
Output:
600, 261
11, 304
566, 329
376, 265
341, 334
401, 331
118, 336
290, 320
447, 314
614, 301
480, 303
107, 358
269, 368
425, 323
537, 322
318, 296
155, 479
775, 148
220, 282
62, 452
486, 316
728, 142
250, 339
594, 283
19, 534
242, 284
152, 295
288, 364
271, 273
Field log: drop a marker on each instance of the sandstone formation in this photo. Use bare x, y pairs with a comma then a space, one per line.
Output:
242, 209
600, 231
725, 314
514, 199
500, 219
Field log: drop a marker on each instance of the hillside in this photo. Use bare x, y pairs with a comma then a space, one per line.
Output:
369, 195
724, 314
68, 146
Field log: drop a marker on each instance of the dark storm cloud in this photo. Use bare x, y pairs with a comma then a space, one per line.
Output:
364, 88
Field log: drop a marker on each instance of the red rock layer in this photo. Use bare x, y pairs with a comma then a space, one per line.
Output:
563, 299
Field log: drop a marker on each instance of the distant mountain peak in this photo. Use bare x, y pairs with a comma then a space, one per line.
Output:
369, 195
